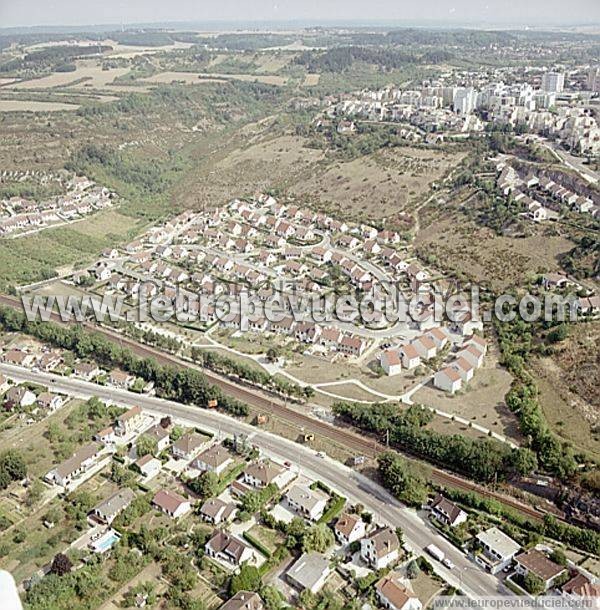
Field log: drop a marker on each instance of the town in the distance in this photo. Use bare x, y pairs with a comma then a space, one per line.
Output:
299, 317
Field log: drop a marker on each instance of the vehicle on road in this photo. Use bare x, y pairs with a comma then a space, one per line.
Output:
448, 563
435, 552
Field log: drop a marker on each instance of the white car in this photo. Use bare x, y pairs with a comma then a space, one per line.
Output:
448, 563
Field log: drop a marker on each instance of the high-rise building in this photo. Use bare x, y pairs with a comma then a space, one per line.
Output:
465, 100
553, 82
593, 80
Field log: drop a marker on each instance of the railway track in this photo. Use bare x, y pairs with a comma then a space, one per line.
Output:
273, 406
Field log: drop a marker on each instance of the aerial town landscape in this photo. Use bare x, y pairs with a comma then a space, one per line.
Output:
299, 312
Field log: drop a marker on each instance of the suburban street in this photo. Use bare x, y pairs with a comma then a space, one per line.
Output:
357, 488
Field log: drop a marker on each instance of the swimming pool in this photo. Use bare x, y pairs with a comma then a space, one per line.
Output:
105, 542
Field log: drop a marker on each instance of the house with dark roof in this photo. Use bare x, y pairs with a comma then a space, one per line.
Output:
580, 586
244, 600
107, 511
536, 563
188, 446
446, 512
171, 503
228, 549
214, 459
217, 511
380, 548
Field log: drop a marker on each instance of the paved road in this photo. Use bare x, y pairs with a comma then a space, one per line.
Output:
357, 488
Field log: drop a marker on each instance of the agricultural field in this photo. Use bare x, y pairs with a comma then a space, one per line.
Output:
89, 73
188, 78
34, 106
71, 246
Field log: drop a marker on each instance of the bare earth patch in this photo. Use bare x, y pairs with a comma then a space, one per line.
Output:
479, 254
482, 402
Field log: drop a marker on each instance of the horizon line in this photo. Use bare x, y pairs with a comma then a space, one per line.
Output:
313, 23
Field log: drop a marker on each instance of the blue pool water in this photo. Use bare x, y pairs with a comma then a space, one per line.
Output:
106, 542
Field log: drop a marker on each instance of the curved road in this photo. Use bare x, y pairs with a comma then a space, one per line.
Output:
273, 405
418, 534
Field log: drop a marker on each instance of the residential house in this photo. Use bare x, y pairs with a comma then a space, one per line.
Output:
284, 229
415, 272
18, 396
106, 511
330, 337
129, 421
18, 357
390, 362
149, 466
380, 548
188, 446
464, 324
120, 379
473, 354
171, 503
352, 346
410, 357
106, 436
498, 550
309, 572
448, 379
580, 587
372, 247
286, 325
244, 600
262, 473
214, 459
81, 461
588, 305
388, 237
553, 281
50, 402
49, 361
225, 547
439, 336
216, 511
393, 593
160, 435
464, 368
110, 253
349, 528
536, 563
478, 342
307, 332
425, 347
446, 512
307, 502
321, 254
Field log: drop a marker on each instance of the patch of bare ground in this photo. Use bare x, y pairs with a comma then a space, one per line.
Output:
467, 250
252, 162
569, 389
379, 185
482, 402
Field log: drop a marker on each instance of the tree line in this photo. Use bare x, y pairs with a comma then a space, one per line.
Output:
185, 385
483, 460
